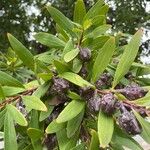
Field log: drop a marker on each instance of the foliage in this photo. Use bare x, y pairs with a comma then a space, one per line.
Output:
87, 92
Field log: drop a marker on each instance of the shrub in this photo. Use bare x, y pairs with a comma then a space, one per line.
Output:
88, 94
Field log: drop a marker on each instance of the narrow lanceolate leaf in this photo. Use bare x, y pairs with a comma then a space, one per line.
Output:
2, 95
102, 60
73, 124
144, 101
98, 31
128, 57
105, 129
79, 11
23, 53
94, 11
10, 139
8, 80
76, 79
94, 144
71, 111
17, 115
49, 40
71, 55
145, 127
34, 102
54, 127
61, 20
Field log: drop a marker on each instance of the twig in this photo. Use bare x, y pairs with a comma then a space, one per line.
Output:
16, 98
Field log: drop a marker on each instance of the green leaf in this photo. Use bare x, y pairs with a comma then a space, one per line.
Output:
79, 11
77, 65
69, 46
61, 20
10, 139
105, 129
73, 95
2, 95
17, 115
94, 144
46, 114
34, 133
73, 124
34, 102
128, 57
79, 147
98, 20
102, 60
71, 111
23, 53
144, 101
98, 31
76, 79
71, 55
145, 127
2, 117
49, 40
61, 67
95, 10
54, 127
8, 80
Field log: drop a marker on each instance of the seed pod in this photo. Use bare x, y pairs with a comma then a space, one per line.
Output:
128, 122
133, 92
83, 72
85, 54
59, 86
86, 92
107, 103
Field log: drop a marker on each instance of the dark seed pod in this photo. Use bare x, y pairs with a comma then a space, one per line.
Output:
83, 72
133, 92
128, 122
107, 103
85, 54
59, 86
86, 92
94, 103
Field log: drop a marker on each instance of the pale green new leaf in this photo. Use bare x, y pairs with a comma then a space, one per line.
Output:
94, 144
79, 11
102, 60
105, 129
23, 53
145, 127
61, 20
54, 127
8, 80
128, 57
71, 111
144, 101
76, 79
34, 102
10, 139
17, 115
71, 55
49, 40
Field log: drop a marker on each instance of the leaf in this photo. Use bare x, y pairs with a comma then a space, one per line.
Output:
61, 67
79, 147
103, 58
94, 144
23, 53
10, 139
34, 102
8, 80
128, 57
94, 11
145, 127
54, 127
69, 46
73, 124
2, 95
98, 31
105, 129
49, 40
46, 114
34, 133
77, 65
98, 20
71, 55
76, 79
73, 95
17, 115
61, 20
71, 111
144, 101
79, 11
2, 117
